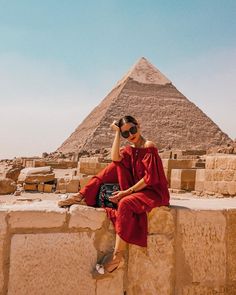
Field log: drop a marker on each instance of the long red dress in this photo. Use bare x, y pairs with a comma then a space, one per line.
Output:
130, 218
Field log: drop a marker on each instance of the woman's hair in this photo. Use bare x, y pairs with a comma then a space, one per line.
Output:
127, 119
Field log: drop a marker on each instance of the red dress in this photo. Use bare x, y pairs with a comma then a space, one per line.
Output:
130, 218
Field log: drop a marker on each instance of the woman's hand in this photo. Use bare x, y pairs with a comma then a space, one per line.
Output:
118, 195
114, 126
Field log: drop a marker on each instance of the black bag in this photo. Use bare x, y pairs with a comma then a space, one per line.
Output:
105, 191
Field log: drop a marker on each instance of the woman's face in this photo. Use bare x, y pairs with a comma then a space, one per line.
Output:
133, 138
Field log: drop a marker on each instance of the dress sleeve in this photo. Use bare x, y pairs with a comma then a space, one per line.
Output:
154, 172
125, 155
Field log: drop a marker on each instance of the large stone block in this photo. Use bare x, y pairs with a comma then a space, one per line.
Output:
91, 166
52, 263
200, 180
36, 175
3, 231
44, 214
151, 270
7, 186
111, 286
161, 220
69, 185
200, 252
183, 179
231, 248
86, 217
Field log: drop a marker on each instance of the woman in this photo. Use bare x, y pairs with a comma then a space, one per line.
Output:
143, 186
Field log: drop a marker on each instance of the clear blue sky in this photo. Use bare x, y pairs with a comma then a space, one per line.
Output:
58, 59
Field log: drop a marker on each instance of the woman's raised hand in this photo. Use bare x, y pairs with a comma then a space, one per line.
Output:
114, 126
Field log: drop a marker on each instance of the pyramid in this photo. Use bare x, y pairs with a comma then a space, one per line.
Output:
166, 116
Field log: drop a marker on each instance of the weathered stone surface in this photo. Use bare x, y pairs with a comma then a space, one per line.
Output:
86, 217
111, 286
30, 186
200, 180
36, 175
48, 188
231, 248
151, 270
91, 165
13, 173
44, 214
39, 178
53, 263
161, 220
7, 186
3, 230
200, 251
68, 184
85, 180
183, 179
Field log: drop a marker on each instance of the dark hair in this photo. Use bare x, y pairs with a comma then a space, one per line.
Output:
127, 119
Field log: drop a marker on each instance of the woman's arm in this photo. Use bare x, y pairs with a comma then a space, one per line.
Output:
115, 150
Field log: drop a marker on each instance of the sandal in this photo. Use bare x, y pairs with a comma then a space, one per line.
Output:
108, 265
75, 199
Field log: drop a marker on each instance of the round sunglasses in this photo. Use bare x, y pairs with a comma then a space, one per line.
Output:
132, 130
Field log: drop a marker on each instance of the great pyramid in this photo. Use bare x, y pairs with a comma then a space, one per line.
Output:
167, 117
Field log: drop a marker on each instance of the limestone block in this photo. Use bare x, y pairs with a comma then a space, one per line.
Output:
161, 220
209, 175
7, 186
73, 185
223, 187
111, 286
44, 214
210, 162
38, 170
39, 163
231, 249
151, 270
86, 217
85, 180
92, 165
30, 186
201, 251
232, 188
41, 187
200, 180
48, 188
228, 175
183, 179
13, 173
52, 263
211, 186
39, 178
3, 230
169, 164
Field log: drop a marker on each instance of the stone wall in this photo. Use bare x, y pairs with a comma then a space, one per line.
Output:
48, 250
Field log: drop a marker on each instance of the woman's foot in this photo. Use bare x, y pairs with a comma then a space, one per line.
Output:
108, 265
75, 199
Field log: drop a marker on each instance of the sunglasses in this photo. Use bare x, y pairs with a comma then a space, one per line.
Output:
132, 130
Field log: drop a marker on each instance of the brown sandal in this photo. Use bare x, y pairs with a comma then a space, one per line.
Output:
75, 199
108, 265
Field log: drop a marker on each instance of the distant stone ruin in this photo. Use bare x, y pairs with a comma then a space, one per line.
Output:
167, 117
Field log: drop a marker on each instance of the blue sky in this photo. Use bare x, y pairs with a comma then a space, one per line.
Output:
58, 60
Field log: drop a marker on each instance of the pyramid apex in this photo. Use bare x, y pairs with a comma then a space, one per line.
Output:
144, 72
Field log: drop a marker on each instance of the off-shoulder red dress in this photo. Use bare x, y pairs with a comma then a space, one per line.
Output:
130, 218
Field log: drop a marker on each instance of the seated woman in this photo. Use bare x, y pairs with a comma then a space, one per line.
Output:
143, 186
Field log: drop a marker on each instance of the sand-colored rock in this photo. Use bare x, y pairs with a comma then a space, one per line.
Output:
111, 286
68, 184
86, 217
201, 251
13, 173
151, 270
3, 230
7, 186
91, 166
66, 261
200, 180
44, 214
183, 179
161, 221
